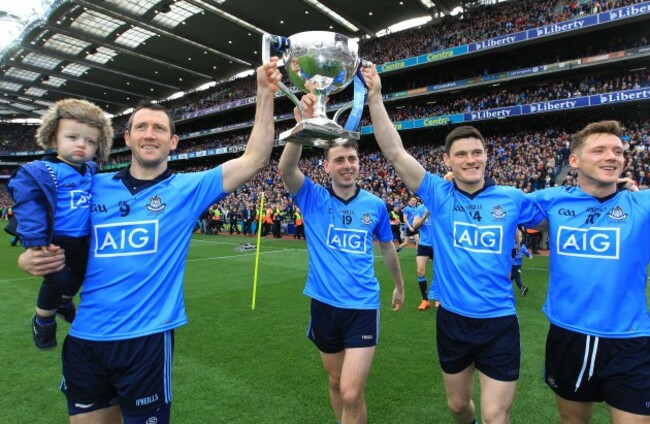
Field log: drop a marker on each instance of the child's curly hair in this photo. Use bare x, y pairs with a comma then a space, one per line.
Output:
81, 111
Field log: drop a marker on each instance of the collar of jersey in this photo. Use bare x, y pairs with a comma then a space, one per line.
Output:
345, 202
134, 185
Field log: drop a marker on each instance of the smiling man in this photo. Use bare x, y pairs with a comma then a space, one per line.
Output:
117, 358
473, 224
341, 224
598, 345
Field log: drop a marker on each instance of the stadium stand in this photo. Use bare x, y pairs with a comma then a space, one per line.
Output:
526, 80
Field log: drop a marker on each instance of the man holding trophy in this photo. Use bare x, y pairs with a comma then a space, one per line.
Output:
341, 223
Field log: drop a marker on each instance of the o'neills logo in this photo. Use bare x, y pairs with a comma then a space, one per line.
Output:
146, 400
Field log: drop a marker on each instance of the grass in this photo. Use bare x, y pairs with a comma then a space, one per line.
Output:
237, 365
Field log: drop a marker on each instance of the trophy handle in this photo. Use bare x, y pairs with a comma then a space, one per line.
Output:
343, 108
359, 100
279, 44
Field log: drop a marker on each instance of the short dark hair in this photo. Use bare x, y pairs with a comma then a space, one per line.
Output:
600, 127
464, 131
352, 144
148, 104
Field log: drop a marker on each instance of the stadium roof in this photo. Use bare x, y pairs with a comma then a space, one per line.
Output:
117, 52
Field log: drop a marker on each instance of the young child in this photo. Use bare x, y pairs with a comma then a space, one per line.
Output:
52, 204
515, 273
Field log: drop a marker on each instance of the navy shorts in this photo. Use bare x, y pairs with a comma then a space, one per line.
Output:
410, 233
585, 368
425, 251
492, 344
334, 329
134, 373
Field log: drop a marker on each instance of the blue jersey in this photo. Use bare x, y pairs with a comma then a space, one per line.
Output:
473, 239
138, 247
72, 214
340, 237
599, 261
409, 213
52, 200
519, 255
425, 228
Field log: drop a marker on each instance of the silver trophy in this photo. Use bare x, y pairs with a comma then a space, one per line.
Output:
322, 63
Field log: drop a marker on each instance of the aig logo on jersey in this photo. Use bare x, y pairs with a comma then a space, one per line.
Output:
347, 240
475, 238
79, 199
594, 242
126, 239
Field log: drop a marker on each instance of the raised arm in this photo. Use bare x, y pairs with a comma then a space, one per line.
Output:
292, 177
408, 168
258, 150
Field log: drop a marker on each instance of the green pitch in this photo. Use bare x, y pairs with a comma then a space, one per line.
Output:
236, 365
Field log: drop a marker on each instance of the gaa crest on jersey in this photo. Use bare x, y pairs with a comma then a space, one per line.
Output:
366, 219
498, 213
617, 214
79, 199
156, 205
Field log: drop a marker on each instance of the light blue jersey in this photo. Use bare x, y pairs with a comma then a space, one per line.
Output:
138, 247
340, 236
72, 215
472, 241
599, 261
409, 213
425, 228
519, 255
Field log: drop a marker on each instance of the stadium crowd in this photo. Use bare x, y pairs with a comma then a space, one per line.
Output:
500, 18
535, 166
477, 24
564, 89
527, 160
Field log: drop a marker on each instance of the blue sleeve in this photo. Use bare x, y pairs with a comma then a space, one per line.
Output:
30, 209
530, 213
539, 198
383, 231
